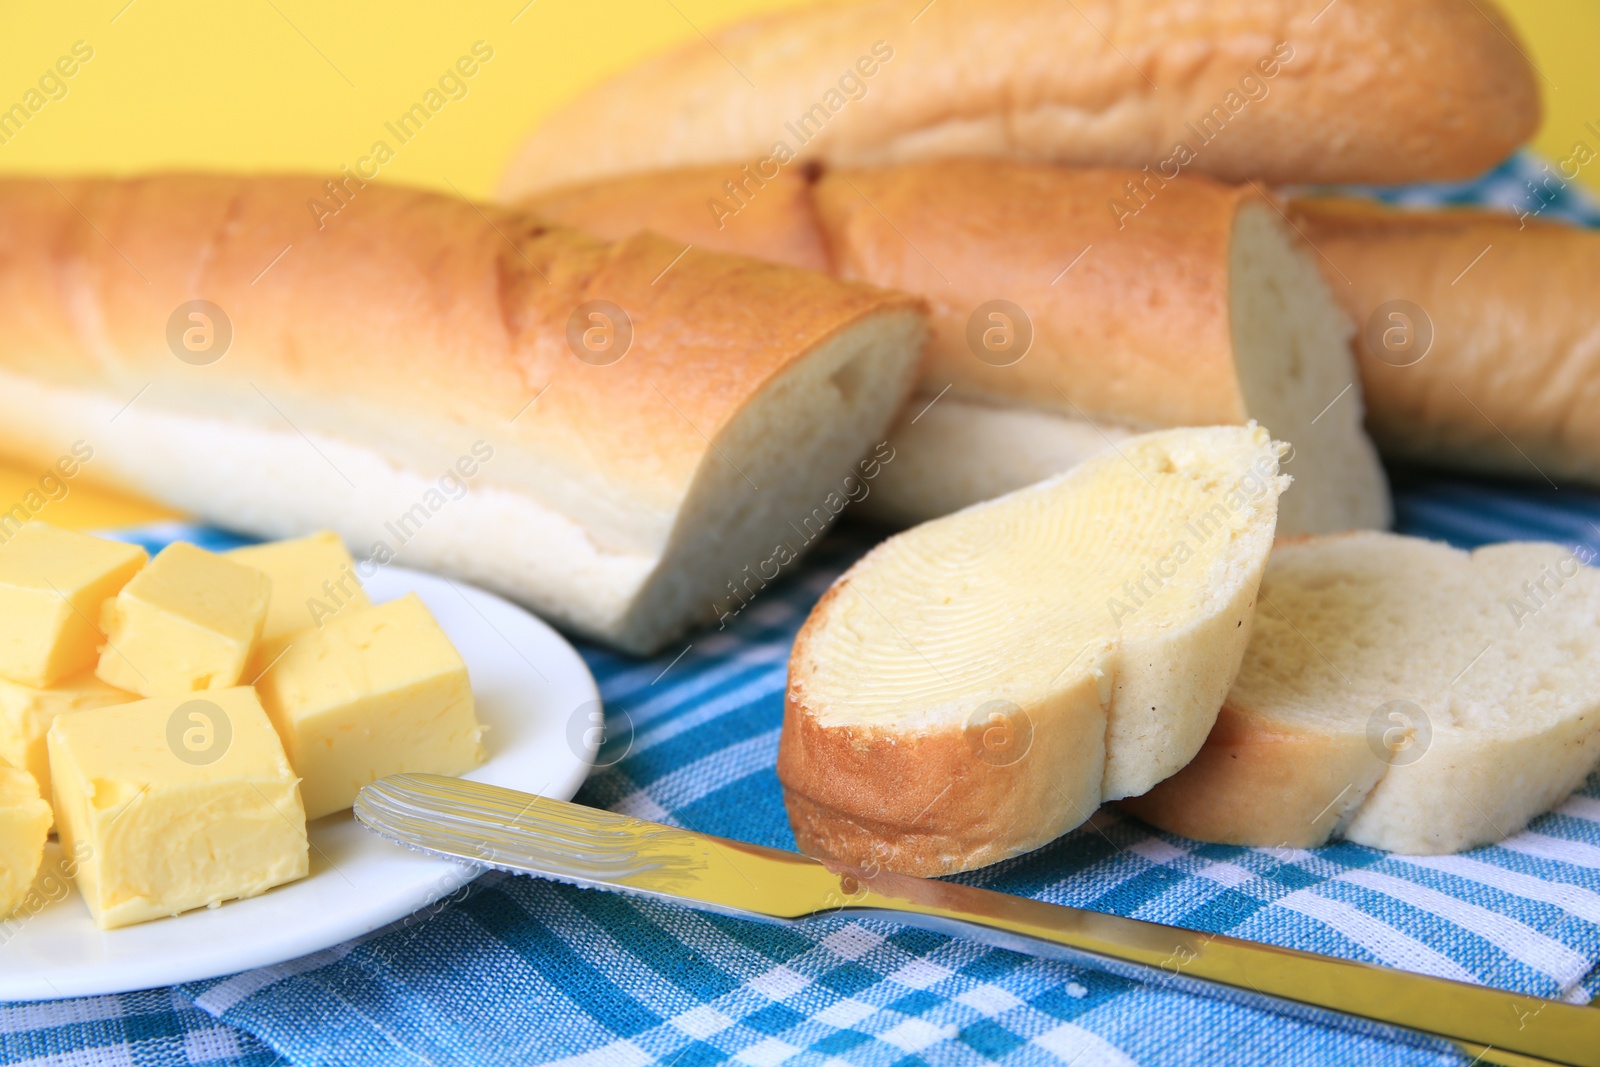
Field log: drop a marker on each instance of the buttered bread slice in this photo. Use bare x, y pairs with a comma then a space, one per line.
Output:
978, 685
1401, 694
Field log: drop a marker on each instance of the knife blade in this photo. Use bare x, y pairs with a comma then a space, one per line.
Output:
501, 828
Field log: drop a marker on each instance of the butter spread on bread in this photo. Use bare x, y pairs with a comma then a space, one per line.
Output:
976, 686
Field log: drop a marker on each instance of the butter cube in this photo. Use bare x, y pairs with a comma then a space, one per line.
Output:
52, 584
175, 803
26, 714
24, 825
187, 622
313, 578
375, 691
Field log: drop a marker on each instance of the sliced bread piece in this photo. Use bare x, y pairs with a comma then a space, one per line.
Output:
1402, 694
978, 685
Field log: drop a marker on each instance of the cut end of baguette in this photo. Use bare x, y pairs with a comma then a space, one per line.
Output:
978, 685
1400, 694
1291, 345
795, 444
1282, 344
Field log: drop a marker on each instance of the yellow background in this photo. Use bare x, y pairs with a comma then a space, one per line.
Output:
302, 85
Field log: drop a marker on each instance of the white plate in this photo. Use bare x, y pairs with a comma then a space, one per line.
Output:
528, 682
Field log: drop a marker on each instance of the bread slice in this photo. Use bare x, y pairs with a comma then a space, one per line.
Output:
413, 373
1401, 694
1479, 346
978, 685
1192, 304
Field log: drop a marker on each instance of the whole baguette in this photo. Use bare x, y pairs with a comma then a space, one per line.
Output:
389, 357
1511, 381
1280, 90
1144, 305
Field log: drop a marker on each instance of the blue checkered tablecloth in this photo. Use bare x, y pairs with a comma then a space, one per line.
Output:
519, 971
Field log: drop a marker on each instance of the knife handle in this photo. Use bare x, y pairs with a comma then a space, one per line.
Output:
1487, 1025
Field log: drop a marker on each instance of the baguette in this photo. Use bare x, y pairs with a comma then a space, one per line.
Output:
1401, 694
385, 360
1480, 339
1279, 90
976, 686
1149, 305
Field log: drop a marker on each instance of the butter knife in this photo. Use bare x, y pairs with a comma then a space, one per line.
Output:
520, 832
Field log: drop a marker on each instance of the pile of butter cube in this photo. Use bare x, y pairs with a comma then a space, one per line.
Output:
179, 719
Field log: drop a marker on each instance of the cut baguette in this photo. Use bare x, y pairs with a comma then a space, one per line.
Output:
978, 685
388, 357
1511, 382
1281, 90
1202, 310
1401, 694
1196, 305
